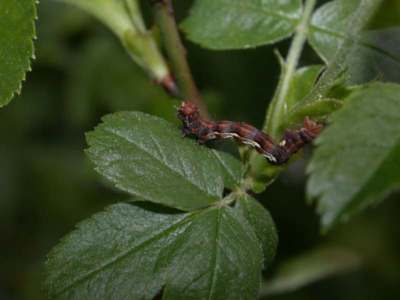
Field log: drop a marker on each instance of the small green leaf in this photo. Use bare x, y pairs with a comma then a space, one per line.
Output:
308, 268
124, 18
148, 157
263, 224
226, 24
317, 110
302, 83
357, 162
131, 252
17, 31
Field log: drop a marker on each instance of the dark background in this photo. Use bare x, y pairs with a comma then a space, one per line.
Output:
81, 72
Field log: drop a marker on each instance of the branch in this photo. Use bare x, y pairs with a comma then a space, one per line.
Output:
165, 20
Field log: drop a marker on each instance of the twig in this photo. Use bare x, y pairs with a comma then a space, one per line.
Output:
164, 17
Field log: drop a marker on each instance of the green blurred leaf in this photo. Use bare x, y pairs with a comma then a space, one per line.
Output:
375, 53
329, 26
17, 31
124, 18
132, 252
378, 57
222, 24
123, 87
357, 162
148, 157
308, 268
263, 224
336, 72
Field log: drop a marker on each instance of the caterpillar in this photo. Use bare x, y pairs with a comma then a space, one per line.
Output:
276, 153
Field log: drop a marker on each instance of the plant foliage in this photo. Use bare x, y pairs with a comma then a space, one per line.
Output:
17, 31
192, 229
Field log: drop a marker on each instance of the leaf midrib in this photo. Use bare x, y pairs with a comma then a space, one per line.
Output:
213, 279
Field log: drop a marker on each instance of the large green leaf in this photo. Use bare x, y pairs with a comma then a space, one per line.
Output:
357, 162
17, 30
374, 53
131, 252
148, 157
233, 24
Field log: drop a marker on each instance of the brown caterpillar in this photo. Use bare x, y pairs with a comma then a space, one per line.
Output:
275, 153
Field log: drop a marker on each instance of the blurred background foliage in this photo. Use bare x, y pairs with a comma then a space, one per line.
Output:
80, 74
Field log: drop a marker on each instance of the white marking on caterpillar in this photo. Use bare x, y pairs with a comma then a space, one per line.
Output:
270, 157
228, 135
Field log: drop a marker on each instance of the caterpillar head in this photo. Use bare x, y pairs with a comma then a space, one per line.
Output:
313, 128
188, 112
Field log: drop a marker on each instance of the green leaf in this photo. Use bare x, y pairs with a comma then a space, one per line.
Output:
224, 24
377, 58
263, 224
375, 53
148, 157
317, 110
131, 252
17, 31
357, 162
302, 83
211, 259
309, 268
231, 169
124, 18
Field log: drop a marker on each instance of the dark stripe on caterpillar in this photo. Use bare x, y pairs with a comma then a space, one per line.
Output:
275, 153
